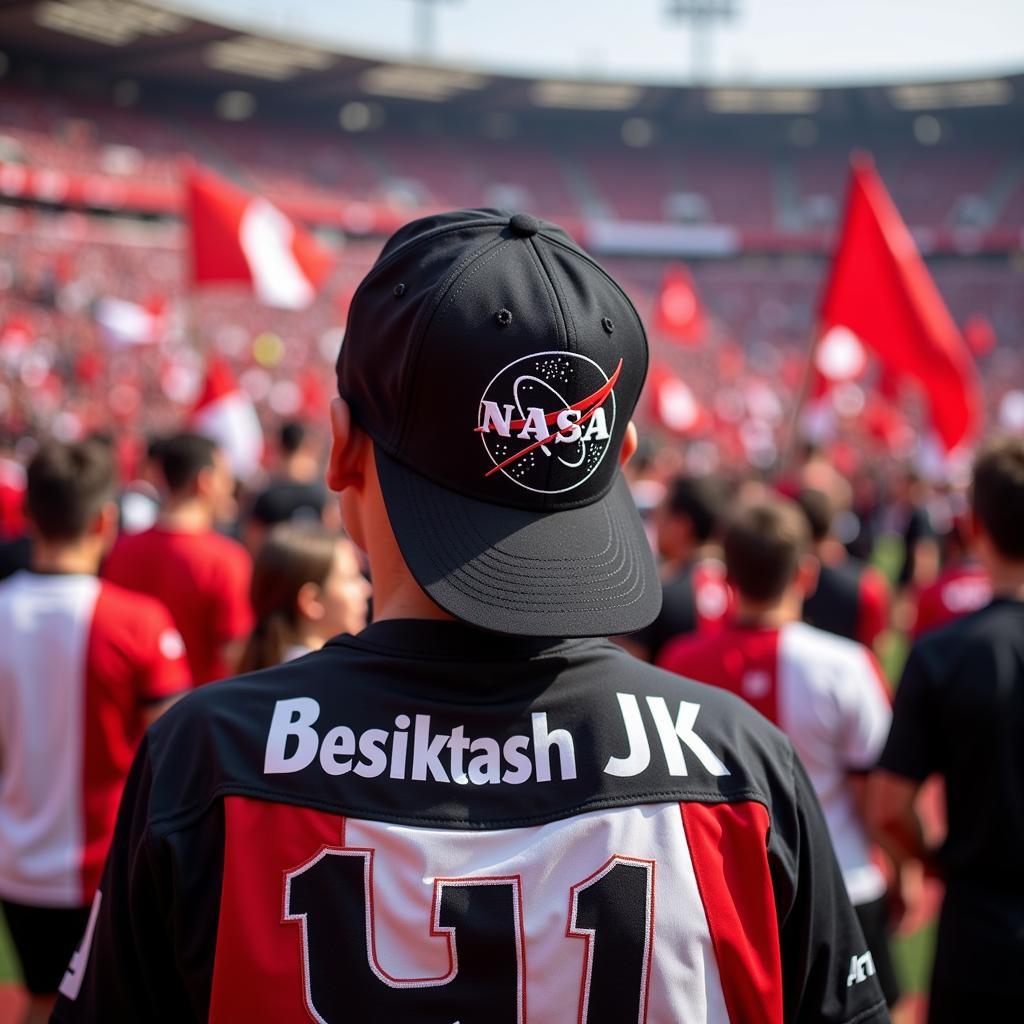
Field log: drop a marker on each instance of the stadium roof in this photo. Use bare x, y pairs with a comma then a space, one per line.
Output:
132, 39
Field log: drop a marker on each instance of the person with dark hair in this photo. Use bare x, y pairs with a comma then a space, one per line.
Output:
478, 804
851, 598
306, 587
296, 492
199, 574
824, 691
694, 590
85, 666
959, 713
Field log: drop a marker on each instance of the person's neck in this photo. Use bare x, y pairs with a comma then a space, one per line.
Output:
185, 515
396, 594
766, 615
1007, 580
301, 468
65, 559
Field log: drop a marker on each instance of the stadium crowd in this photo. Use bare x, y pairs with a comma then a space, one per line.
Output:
229, 579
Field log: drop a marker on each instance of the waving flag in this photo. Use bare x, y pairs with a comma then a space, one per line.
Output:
225, 414
881, 296
673, 404
241, 238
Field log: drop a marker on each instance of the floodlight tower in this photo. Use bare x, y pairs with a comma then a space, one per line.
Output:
426, 26
701, 15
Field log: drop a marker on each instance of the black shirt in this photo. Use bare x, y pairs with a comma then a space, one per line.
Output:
429, 823
959, 712
697, 594
285, 500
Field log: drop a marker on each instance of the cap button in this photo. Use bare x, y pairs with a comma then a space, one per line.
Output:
523, 224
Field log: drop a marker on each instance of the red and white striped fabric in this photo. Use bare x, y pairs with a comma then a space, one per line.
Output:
225, 414
241, 238
81, 660
125, 323
827, 694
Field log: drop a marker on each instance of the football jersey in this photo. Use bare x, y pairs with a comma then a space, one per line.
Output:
202, 578
827, 694
81, 658
960, 590
697, 598
851, 600
427, 823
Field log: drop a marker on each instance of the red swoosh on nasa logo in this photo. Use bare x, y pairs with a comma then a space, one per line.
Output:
596, 400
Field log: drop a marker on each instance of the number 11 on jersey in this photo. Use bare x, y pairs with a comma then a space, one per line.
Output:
332, 897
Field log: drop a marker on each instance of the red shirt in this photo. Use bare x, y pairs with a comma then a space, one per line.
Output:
202, 578
81, 659
960, 590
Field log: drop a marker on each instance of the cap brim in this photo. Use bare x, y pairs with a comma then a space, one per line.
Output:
583, 572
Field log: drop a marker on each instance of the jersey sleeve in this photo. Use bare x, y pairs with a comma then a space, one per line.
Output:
124, 968
828, 976
165, 671
866, 712
909, 750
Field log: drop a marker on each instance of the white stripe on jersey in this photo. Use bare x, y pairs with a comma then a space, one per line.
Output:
551, 860
832, 707
45, 623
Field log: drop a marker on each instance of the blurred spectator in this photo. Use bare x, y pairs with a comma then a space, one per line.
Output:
202, 576
297, 490
825, 692
86, 666
306, 587
920, 548
962, 587
851, 598
959, 712
694, 592
140, 499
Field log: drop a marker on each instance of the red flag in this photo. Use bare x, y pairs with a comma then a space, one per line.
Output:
238, 237
678, 313
673, 404
880, 290
226, 414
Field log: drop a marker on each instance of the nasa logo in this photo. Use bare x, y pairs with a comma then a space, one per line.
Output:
549, 406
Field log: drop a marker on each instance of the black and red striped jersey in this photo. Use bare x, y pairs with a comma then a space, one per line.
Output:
429, 823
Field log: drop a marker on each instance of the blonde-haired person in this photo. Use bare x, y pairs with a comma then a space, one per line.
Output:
306, 587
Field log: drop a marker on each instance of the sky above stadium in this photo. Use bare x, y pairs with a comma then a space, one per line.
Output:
819, 41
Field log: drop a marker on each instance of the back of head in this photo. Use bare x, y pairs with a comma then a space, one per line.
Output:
292, 437
182, 458
293, 555
763, 544
817, 509
67, 487
997, 495
701, 500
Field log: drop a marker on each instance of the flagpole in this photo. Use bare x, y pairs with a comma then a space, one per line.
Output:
787, 449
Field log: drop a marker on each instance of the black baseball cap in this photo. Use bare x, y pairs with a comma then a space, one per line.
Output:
495, 365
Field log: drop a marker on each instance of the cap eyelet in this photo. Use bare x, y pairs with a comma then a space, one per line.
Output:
607, 324
504, 317
399, 290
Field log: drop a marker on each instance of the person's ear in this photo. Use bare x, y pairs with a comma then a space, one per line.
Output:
104, 526
807, 572
630, 443
345, 462
308, 602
